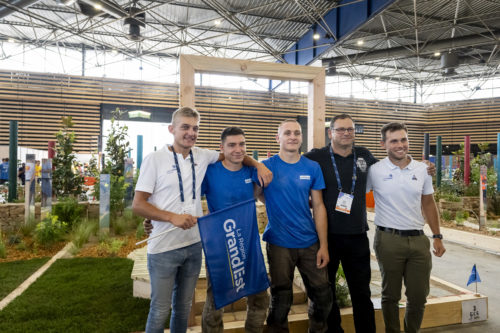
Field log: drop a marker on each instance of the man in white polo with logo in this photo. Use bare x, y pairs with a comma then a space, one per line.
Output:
168, 192
403, 190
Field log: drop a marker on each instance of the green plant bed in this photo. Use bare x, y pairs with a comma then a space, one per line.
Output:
13, 273
79, 295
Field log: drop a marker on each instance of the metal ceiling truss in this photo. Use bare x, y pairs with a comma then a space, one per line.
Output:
373, 39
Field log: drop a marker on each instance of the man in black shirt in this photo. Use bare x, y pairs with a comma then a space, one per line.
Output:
345, 202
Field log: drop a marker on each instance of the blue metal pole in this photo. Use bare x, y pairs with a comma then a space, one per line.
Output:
451, 165
139, 151
438, 161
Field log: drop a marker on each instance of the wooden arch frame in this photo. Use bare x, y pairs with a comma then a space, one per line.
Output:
189, 64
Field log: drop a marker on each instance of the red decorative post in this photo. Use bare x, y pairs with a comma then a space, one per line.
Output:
467, 160
52, 149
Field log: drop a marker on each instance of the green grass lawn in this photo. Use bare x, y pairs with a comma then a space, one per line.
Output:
12, 274
79, 295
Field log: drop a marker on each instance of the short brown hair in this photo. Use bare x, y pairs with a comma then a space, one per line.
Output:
288, 120
340, 116
185, 111
392, 127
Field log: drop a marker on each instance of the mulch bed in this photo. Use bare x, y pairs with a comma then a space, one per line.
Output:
31, 251
91, 249
453, 225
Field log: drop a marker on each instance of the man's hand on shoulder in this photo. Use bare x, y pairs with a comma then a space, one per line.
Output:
264, 175
431, 168
439, 249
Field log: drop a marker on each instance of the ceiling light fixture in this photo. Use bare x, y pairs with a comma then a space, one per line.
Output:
360, 42
97, 6
217, 22
316, 36
377, 78
437, 54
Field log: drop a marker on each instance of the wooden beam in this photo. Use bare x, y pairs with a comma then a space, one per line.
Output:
316, 112
186, 86
248, 68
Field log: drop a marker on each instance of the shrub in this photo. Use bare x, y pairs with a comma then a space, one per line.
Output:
341, 289
21, 246
139, 232
110, 247
50, 230
28, 228
3, 249
460, 217
68, 210
82, 232
446, 215
494, 203
128, 221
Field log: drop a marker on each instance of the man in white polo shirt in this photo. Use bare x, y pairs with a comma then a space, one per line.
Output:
168, 192
403, 190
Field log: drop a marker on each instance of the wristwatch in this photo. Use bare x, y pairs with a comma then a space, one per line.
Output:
440, 236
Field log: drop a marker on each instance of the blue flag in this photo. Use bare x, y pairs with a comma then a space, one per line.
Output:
474, 276
231, 243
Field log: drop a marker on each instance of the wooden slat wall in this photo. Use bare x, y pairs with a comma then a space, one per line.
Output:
38, 101
478, 118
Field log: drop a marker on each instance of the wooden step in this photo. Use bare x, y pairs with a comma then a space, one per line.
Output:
234, 322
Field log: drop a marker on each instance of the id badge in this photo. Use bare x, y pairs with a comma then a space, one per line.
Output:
188, 208
344, 203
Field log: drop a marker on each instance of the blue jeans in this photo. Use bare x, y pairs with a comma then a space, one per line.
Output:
173, 276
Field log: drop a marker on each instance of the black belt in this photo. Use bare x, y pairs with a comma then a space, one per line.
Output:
404, 233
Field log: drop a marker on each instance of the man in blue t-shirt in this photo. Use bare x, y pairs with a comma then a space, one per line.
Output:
226, 183
4, 171
294, 237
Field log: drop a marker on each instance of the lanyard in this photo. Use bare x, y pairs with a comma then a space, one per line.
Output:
181, 188
337, 171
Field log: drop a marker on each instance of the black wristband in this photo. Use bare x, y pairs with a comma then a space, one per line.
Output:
440, 236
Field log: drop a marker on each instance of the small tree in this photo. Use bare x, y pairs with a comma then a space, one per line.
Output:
117, 148
65, 182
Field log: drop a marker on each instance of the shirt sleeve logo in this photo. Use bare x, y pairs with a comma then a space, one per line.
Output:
248, 180
361, 163
305, 177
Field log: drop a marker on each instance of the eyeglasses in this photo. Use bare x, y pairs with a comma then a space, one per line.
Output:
341, 130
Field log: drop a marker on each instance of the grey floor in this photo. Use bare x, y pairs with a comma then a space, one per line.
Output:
455, 266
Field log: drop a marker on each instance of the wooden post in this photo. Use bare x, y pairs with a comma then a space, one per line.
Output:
316, 112
46, 206
186, 86
104, 184
467, 160
129, 179
482, 195
29, 188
